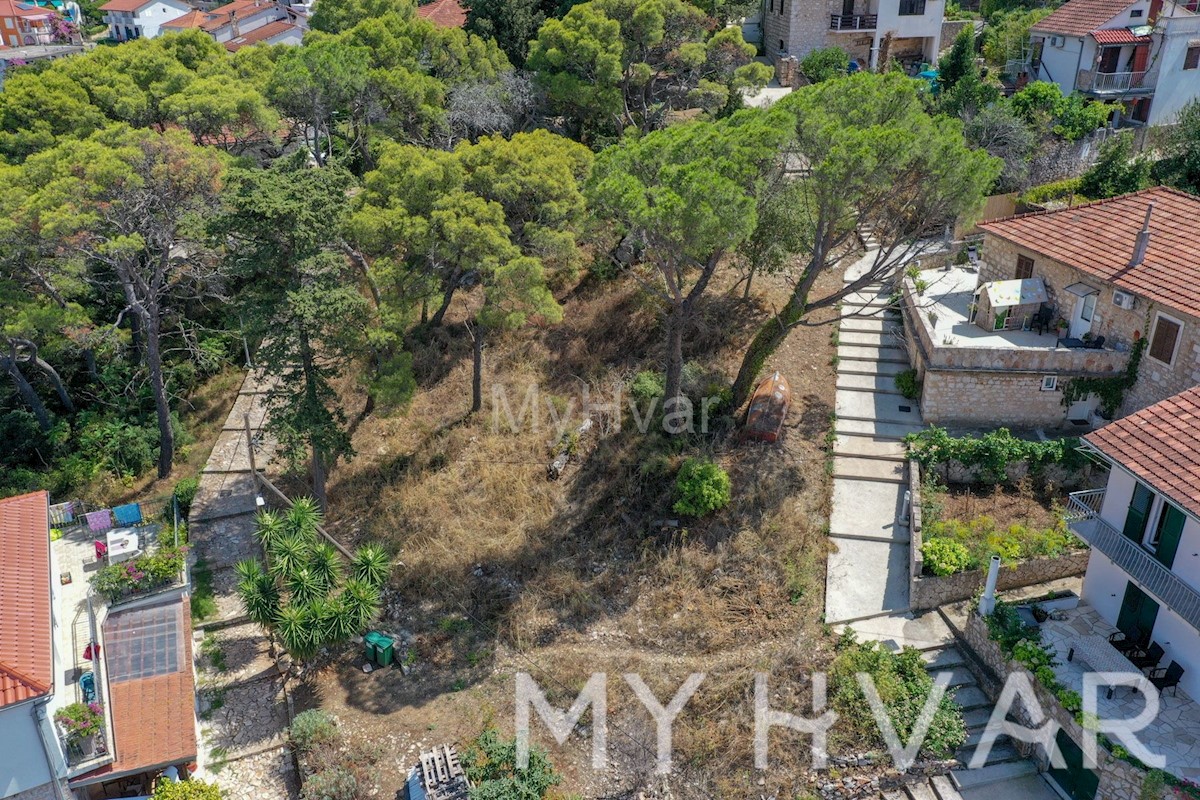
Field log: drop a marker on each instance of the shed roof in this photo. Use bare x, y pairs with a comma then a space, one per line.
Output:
26, 651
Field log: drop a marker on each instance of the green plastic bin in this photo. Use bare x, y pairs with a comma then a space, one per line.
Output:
371, 647
384, 650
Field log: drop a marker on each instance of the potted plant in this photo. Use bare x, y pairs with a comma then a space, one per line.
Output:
80, 722
1061, 324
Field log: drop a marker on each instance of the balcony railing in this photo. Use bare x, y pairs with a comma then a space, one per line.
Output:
1083, 514
853, 22
1116, 82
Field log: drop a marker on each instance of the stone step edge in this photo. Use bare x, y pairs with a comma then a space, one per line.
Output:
863, 537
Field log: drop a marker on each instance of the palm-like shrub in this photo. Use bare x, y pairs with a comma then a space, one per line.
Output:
305, 597
371, 565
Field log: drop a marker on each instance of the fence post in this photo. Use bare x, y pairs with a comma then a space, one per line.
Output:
250, 449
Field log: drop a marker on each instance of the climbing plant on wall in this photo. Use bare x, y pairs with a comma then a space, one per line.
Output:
1110, 391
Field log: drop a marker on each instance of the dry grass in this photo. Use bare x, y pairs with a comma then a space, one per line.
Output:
1026, 505
580, 575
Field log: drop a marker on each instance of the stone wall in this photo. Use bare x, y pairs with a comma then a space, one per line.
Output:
797, 27
1119, 780
927, 591
951, 28
916, 559
43, 792
1122, 327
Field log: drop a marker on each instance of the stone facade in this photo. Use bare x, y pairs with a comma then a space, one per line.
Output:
1119, 780
797, 27
1156, 380
927, 591
43, 792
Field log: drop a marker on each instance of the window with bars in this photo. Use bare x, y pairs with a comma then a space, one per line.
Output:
1024, 268
1192, 59
1165, 339
912, 8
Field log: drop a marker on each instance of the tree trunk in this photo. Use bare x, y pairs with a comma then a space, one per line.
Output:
26, 391
162, 408
765, 342
447, 295
89, 360
477, 372
135, 336
318, 479
51, 373
674, 370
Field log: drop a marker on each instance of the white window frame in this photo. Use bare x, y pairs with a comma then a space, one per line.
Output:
1178, 338
1154, 520
1049, 383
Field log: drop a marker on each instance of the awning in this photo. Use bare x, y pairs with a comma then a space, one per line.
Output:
1015, 293
1081, 290
1120, 36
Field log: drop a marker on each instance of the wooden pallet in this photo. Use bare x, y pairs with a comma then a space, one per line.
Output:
443, 775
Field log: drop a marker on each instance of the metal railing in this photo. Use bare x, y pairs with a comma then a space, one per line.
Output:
1120, 81
853, 22
1083, 516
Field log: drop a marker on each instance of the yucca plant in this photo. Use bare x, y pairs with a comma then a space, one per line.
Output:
304, 587
297, 631
289, 554
371, 565
269, 528
303, 517
336, 620
258, 593
361, 601
325, 563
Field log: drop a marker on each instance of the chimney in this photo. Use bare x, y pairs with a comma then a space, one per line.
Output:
1143, 239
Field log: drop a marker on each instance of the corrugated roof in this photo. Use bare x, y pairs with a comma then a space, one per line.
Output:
26, 651
445, 13
1099, 238
1081, 17
1161, 446
153, 718
1119, 36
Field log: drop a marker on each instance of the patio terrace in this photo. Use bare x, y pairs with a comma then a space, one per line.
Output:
1176, 732
940, 314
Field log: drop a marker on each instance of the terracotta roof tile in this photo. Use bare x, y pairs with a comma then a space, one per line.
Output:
261, 34
1119, 36
153, 717
1098, 239
26, 652
125, 5
1161, 446
445, 13
1081, 17
191, 19
11, 8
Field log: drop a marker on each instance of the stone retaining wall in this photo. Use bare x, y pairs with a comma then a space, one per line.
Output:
954, 473
929, 591
916, 559
1119, 780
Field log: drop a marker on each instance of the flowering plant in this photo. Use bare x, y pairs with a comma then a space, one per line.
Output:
80, 719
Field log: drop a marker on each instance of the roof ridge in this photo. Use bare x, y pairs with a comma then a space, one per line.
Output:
1089, 204
23, 678
34, 493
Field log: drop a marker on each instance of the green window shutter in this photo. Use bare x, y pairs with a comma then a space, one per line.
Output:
1172, 530
1139, 507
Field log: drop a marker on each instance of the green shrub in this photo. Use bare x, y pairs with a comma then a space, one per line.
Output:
993, 452
945, 556
490, 763
312, 728
647, 385
191, 789
908, 385
142, 574
1055, 190
903, 684
701, 488
336, 783
981, 538
825, 63
184, 494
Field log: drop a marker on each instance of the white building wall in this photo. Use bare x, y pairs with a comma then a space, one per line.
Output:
1117, 497
1104, 586
1061, 64
1176, 87
22, 759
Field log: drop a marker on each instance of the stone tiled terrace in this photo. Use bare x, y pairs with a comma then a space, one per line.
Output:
1175, 734
950, 340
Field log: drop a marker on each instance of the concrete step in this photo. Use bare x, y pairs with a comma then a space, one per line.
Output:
875, 429
872, 324
864, 447
894, 796
869, 469
960, 677
877, 407
997, 773
1000, 754
848, 367
975, 736
970, 698
920, 791
944, 788
883, 338
949, 658
880, 384
977, 718
893, 355
849, 595
926, 632
867, 509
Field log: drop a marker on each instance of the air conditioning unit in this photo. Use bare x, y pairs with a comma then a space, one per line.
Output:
1123, 300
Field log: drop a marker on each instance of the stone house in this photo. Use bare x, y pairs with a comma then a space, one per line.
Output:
242, 22
1114, 272
1143, 54
870, 31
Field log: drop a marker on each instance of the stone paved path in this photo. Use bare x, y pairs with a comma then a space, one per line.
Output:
868, 573
243, 713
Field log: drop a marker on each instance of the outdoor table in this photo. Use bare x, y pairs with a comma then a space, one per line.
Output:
1099, 654
122, 545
